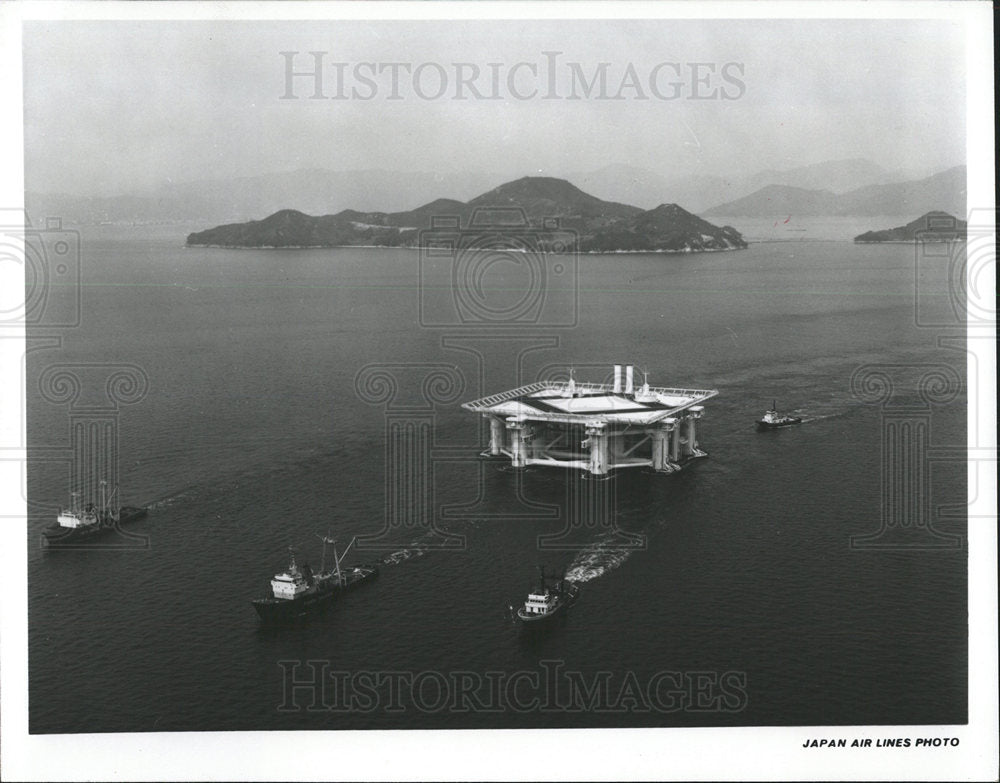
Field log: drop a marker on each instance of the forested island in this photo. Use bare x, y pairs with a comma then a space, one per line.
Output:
552, 212
935, 226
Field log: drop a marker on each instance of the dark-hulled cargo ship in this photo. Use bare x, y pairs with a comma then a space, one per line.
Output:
84, 525
297, 593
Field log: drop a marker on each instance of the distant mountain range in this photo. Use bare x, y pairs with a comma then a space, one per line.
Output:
942, 191
932, 227
700, 192
318, 191
321, 192
544, 207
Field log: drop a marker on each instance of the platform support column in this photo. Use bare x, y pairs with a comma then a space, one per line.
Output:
496, 435
598, 438
518, 458
661, 437
691, 448
675, 443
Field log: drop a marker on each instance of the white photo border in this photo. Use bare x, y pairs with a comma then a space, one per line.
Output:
763, 753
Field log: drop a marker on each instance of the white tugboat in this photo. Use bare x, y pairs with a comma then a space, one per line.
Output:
548, 600
772, 420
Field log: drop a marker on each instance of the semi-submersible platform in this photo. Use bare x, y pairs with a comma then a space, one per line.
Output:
595, 427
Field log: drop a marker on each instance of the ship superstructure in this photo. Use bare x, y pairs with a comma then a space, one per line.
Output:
553, 594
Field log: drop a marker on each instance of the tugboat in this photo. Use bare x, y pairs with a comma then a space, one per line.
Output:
298, 593
772, 420
78, 527
548, 601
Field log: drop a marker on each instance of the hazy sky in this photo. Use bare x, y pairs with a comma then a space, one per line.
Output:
113, 107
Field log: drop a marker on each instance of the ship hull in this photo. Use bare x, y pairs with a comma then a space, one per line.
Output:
534, 620
56, 536
284, 611
763, 426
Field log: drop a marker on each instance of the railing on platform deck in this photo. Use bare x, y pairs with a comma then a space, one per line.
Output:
485, 403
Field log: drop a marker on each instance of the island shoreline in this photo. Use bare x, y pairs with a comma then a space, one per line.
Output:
685, 251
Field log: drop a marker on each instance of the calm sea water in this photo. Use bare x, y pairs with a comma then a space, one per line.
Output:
253, 437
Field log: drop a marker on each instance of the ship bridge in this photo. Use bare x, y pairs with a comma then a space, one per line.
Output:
596, 427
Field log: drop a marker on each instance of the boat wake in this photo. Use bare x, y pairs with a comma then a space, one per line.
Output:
596, 559
168, 501
403, 554
416, 548
806, 418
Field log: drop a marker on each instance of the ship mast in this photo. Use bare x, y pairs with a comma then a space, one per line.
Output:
569, 389
341, 557
112, 511
326, 540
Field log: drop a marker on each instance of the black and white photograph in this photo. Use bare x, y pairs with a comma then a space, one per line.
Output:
406, 391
